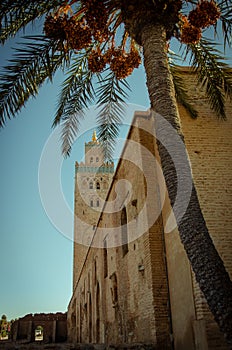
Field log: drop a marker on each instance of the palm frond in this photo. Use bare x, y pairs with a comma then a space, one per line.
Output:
111, 94
213, 74
31, 65
76, 95
15, 15
181, 92
226, 20
70, 126
78, 82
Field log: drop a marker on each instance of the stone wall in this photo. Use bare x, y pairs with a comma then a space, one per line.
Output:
145, 291
119, 293
209, 145
54, 327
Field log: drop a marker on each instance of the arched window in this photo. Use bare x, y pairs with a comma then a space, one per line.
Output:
97, 159
98, 203
124, 233
91, 185
91, 159
98, 186
91, 203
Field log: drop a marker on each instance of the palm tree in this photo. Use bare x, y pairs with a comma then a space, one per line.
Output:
80, 37
3, 325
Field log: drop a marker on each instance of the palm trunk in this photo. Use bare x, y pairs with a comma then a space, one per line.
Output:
207, 265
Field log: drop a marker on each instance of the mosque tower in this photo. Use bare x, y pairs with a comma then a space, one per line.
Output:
92, 181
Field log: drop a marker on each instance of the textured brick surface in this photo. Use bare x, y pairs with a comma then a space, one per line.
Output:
209, 145
150, 294
130, 296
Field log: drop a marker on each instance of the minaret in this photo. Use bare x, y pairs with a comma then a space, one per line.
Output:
92, 180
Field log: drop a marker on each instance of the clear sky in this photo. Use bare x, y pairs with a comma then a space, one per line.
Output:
36, 258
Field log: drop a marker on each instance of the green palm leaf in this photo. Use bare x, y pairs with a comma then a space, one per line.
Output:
76, 95
34, 63
226, 20
213, 74
111, 94
181, 91
70, 127
78, 82
178, 81
15, 15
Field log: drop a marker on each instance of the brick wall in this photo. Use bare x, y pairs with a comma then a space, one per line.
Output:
129, 296
209, 145
125, 297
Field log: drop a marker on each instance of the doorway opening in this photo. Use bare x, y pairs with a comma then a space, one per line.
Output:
39, 333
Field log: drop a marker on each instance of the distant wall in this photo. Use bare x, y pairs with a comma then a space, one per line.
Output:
54, 327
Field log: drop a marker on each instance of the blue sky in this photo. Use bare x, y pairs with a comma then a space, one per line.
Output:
36, 258
36, 273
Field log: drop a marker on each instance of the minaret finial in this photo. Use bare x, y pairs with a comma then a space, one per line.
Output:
94, 137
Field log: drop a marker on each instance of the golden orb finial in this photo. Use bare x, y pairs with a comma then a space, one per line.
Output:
94, 137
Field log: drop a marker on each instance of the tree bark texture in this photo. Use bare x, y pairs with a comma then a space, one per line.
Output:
207, 265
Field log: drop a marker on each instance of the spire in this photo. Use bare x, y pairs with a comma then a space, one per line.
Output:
94, 137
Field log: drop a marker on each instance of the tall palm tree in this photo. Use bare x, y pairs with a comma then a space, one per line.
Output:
83, 38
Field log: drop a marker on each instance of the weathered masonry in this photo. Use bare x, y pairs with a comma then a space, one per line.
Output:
132, 280
54, 327
92, 180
